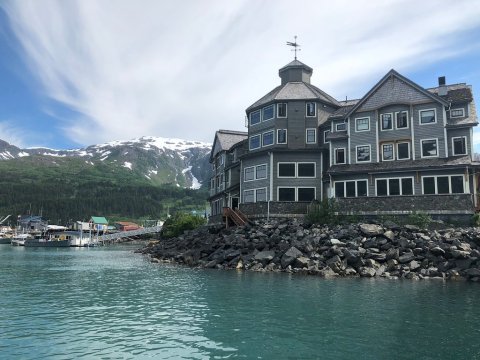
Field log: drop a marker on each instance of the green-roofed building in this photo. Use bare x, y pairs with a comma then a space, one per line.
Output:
98, 223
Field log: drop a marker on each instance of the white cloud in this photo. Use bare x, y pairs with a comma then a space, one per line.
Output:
11, 134
185, 69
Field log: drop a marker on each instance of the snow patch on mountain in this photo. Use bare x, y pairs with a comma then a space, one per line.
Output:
127, 165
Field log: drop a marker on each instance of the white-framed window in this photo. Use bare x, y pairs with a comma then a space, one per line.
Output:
281, 136
457, 113
296, 170
306, 170
429, 148
306, 194
459, 145
443, 184
340, 156
341, 126
386, 121
267, 138
394, 186
388, 152
248, 196
311, 109
311, 136
255, 117
257, 172
254, 142
351, 188
362, 124
268, 112
363, 153
286, 170
249, 173
261, 194
401, 120
325, 134
403, 150
428, 116
281, 110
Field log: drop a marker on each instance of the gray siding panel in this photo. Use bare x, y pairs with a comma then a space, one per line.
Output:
363, 137
428, 131
451, 133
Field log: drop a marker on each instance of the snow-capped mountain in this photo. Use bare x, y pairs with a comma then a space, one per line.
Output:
160, 160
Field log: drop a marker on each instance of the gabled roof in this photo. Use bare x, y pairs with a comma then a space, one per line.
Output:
294, 91
393, 74
98, 220
225, 140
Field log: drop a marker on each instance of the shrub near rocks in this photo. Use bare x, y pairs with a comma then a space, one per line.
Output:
364, 250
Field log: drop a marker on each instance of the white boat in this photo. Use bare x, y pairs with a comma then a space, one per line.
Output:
19, 240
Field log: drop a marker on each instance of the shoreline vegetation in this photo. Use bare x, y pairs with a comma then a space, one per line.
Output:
383, 250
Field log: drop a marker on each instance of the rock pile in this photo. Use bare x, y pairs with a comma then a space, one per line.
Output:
366, 250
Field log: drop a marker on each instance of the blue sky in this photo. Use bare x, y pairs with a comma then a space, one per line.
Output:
75, 73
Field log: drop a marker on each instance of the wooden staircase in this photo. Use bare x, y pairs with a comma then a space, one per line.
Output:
234, 216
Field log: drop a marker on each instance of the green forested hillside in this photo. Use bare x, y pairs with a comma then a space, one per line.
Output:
72, 189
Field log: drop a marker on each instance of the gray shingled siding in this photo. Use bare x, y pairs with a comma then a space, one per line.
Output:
451, 133
395, 134
255, 184
363, 137
393, 91
428, 131
458, 106
297, 182
296, 124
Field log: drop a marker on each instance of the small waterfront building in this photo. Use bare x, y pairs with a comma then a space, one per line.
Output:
400, 148
98, 223
126, 226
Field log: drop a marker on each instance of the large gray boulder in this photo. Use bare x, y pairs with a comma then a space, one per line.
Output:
265, 256
371, 229
290, 256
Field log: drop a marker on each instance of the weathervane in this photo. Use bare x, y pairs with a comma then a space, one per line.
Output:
295, 46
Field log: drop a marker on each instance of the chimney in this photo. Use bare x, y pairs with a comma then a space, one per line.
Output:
442, 89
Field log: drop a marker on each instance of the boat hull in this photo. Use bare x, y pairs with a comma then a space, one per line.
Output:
5, 240
43, 243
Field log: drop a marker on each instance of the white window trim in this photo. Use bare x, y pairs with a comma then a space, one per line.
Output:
381, 122
243, 197
261, 188
420, 116
400, 183
345, 187
306, 177
342, 123
286, 111
344, 156
273, 116
356, 153
325, 134
314, 135
393, 151
286, 137
395, 119
245, 173
453, 147
286, 177
266, 172
459, 116
306, 109
273, 138
362, 118
260, 142
253, 112
421, 149
296, 191
409, 150
465, 188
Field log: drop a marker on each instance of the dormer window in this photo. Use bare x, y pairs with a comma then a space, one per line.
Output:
341, 127
255, 117
457, 113
311, 109
282, 110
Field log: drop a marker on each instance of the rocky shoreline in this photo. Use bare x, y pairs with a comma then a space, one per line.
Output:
365, 250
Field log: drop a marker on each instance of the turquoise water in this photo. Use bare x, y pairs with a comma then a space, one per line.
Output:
108, 303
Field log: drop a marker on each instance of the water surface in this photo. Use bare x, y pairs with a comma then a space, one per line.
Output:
108, 303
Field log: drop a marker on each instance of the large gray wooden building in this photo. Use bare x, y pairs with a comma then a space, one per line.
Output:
398, 149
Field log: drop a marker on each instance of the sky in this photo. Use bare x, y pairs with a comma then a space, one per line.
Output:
77, 73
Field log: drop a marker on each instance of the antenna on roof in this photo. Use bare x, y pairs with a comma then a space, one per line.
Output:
295, 46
